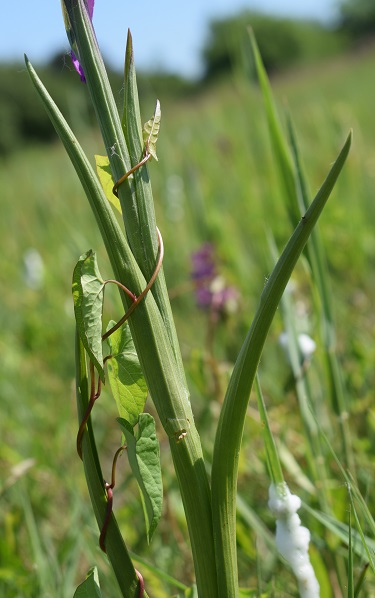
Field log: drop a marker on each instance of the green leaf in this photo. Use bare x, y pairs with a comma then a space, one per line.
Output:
350, 587
273, 460
104, 172
151, 131
88, 294
89, 588
144, 458
117, 552
280, 147
125, 375
233, 412
191, 592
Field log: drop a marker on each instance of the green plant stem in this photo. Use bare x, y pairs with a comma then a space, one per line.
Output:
157, 359
135, 193
115, 546
231, 422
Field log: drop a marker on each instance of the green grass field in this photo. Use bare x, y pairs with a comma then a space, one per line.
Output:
215, 181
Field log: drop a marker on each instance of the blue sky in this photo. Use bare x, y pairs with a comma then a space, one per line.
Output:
166, 34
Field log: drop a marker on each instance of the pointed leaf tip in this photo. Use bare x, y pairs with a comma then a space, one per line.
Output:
90, 588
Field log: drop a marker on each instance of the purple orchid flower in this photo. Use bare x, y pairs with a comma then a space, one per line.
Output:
211, 291
77, 65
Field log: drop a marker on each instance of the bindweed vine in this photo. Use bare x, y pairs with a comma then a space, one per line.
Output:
144, 353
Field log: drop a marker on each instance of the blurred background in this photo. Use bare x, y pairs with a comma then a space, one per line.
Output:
216, 191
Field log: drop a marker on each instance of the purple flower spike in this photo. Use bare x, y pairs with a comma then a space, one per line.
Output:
77, 65
210, 288
204, 263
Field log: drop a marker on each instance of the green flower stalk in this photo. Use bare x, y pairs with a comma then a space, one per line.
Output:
133, 262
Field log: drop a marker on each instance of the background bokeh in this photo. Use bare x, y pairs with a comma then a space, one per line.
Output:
216, 182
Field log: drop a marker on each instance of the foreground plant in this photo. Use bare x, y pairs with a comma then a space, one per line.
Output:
143, 353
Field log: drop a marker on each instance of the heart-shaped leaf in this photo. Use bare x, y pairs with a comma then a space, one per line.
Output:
144, 458
125, 375
88, 295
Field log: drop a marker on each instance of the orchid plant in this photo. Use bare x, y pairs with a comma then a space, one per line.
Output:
140, 354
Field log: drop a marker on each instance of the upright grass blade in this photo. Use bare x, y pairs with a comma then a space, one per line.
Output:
283, 161
350, 592
297, 197
116, 549
232, 417
273, 461
157, 358
318, 263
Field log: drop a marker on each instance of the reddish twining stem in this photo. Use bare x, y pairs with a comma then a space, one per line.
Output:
109, 491
94, 395
144, 292
141, 584
147, 156
123, 287
136, 301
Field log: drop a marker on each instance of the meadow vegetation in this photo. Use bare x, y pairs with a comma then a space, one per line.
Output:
216, 181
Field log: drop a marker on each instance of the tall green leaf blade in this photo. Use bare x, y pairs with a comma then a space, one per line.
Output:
273, 460
151, 131
88, 296
350, 588
125, 375
231, 423
341, 530
144, 458
104, 173
283, 160
90, 588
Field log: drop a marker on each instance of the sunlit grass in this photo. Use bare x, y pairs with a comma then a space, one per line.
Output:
215, 181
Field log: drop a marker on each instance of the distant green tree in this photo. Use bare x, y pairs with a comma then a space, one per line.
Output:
282, 42
358, 17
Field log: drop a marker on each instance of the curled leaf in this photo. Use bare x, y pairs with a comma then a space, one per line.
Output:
151, 131
88, 296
